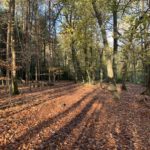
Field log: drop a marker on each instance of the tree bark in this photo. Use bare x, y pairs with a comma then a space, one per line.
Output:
110, 71
115, 32
147, 91
14, 85
8, 44
109, 55
124, 76
76, 64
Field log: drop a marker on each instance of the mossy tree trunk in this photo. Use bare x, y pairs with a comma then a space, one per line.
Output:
109, 53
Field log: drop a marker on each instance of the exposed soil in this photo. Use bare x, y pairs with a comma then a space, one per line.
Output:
72, 116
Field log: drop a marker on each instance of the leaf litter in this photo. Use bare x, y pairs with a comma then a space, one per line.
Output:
72, 116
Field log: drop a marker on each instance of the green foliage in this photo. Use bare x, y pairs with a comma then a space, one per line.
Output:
74, 37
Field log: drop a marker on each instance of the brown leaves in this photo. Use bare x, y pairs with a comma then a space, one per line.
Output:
84, 118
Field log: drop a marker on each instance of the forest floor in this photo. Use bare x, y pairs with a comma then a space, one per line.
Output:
72, 116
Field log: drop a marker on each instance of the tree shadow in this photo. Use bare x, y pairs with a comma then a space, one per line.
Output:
64, 132
37, 89
120, 136
37, 100
88, 133
31, 99
39, 127
26, 90
40, 89
123, 137
34, 91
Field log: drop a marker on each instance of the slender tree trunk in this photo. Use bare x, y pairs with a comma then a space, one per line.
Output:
44, 51
36, 72
124, 76
13, 52
76, 64
115, 47
148, 83
8, 45
50, 43
37, 66
134, 70
86, 63
74, 60
101, 65
147, 91
27, 40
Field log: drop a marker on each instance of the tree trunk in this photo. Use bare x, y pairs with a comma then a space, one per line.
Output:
14, 87
8, 44
147, 91
86, 64
76, 64
109, 55
101, 65
110, 71
27, 40
74, 60
148, 84
50, 62
115, 47
124, 76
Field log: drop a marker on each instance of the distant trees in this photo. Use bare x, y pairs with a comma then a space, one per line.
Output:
91, 40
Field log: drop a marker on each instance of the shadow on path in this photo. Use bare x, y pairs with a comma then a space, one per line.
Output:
37, 100
60, 135
87, 135
30, 99
39, 127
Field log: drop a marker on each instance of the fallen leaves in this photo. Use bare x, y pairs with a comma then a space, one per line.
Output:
73, 116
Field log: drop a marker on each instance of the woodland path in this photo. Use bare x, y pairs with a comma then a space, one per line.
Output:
72, 116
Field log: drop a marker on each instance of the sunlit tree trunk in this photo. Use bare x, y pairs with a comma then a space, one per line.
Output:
109, 54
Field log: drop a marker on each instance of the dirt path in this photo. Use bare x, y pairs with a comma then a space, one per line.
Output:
74, 117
